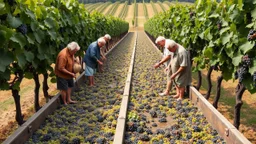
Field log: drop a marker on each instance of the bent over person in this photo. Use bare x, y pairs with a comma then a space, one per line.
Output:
64, 71
103, 58
181, 68
92, 59
161, 41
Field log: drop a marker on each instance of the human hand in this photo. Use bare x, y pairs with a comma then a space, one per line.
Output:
100, 63
73, 75
156, 65
173, 76
166, 70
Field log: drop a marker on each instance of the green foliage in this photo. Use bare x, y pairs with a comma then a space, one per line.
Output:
196, 27
48, 26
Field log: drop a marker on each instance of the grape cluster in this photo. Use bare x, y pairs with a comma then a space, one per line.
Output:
144, 137
250, 35
243, 70
246, 61
3, 17
64, 141
219, 25
75, 141
162, 120
22, 29
254, 78
46, 137
11, 2
191, 14
153, 114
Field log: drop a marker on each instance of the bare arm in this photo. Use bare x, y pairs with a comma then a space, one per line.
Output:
162, 61
177, 72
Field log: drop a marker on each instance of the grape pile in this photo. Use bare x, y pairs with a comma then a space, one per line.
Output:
163, 119
250, 35
93, 119
219, 25
22, 29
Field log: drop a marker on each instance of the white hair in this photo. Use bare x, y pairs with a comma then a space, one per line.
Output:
160, 38
170, 43
73, 46
107, 36
102, 41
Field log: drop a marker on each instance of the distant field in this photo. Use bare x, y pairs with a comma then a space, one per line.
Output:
107, 9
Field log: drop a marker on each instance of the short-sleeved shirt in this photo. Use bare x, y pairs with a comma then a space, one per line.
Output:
92, 55
64, 60
181, 58
166, 53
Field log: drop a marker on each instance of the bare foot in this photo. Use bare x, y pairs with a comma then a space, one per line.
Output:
164, 93
176, 96
179, 99
72, 102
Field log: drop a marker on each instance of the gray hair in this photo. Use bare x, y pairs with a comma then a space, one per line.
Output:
102, 41
73, 46
107, 36
160, 38
170, 43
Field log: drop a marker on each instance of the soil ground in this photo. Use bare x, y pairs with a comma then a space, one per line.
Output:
119, 9
130, 14
107, 8
150, 10
165, 6
141, 16
158, 8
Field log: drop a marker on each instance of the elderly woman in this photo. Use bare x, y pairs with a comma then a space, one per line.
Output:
92, 59
64, 71
181, 67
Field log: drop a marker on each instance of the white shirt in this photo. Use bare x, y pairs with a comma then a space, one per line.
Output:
166, 53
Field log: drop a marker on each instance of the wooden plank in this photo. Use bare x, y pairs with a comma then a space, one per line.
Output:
225, 129
120, 128
33, 123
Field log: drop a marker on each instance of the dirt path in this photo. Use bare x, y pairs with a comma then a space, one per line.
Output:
166, 6
130, 14
158, 8
119, 9
150, 10
99, 6
141, 16
107, 9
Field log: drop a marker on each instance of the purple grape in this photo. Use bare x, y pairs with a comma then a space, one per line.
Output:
22, 29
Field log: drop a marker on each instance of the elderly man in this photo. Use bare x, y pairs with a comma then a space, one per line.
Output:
64, 71
92, 59
181, 67
161, 41
107, 38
